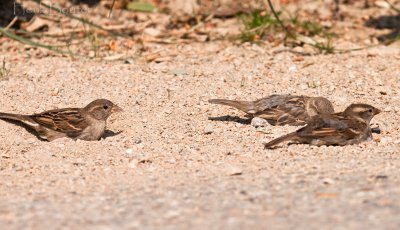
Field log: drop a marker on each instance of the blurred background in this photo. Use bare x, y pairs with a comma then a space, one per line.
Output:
124, 29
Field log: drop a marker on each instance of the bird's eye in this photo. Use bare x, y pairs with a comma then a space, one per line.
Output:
370, 110
105, 106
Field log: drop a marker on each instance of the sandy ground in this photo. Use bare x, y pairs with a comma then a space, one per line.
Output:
164, 171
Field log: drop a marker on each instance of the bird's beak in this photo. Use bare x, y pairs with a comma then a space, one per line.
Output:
116, 109
378, 111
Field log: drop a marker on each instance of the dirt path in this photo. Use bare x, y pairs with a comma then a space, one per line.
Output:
163, 171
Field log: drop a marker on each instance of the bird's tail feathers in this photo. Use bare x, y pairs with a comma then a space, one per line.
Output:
245, 106
10, 116
17, 117
279, 140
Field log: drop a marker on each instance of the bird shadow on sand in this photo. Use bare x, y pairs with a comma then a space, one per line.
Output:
25, 126
110, 133
107, 133
244, 121
376, 130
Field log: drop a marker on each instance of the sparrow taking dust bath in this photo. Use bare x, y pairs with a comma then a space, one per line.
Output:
88, 123
351, 126
282, 109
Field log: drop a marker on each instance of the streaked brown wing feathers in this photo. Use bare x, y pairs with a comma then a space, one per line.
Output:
68, 121
323, 127
323, 132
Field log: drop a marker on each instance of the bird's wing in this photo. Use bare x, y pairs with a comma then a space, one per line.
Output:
270, 102
329, 127
69, 121
286, 110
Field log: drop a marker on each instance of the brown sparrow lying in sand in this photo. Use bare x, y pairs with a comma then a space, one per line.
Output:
282, 109
88, 123
344, 128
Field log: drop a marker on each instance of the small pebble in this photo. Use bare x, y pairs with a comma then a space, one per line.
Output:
382, 4
208, 129
292, 69
129, 152
129, 61
259, 122
387, 109
233, 170
328, 181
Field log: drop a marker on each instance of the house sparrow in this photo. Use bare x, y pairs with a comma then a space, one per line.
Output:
345, 128
88, 123
282, 109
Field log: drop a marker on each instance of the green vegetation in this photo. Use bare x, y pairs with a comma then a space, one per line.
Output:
325, 48
4, 71
257, 24
94, 42
141, 6
260, 25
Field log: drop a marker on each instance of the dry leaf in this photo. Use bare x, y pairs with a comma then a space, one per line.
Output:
129, 43
37, 23
113, 45
184, 7
118, 4
114, 57
153, 56
326, 195
298, 58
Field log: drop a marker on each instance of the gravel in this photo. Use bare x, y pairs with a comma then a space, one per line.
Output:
162, 171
